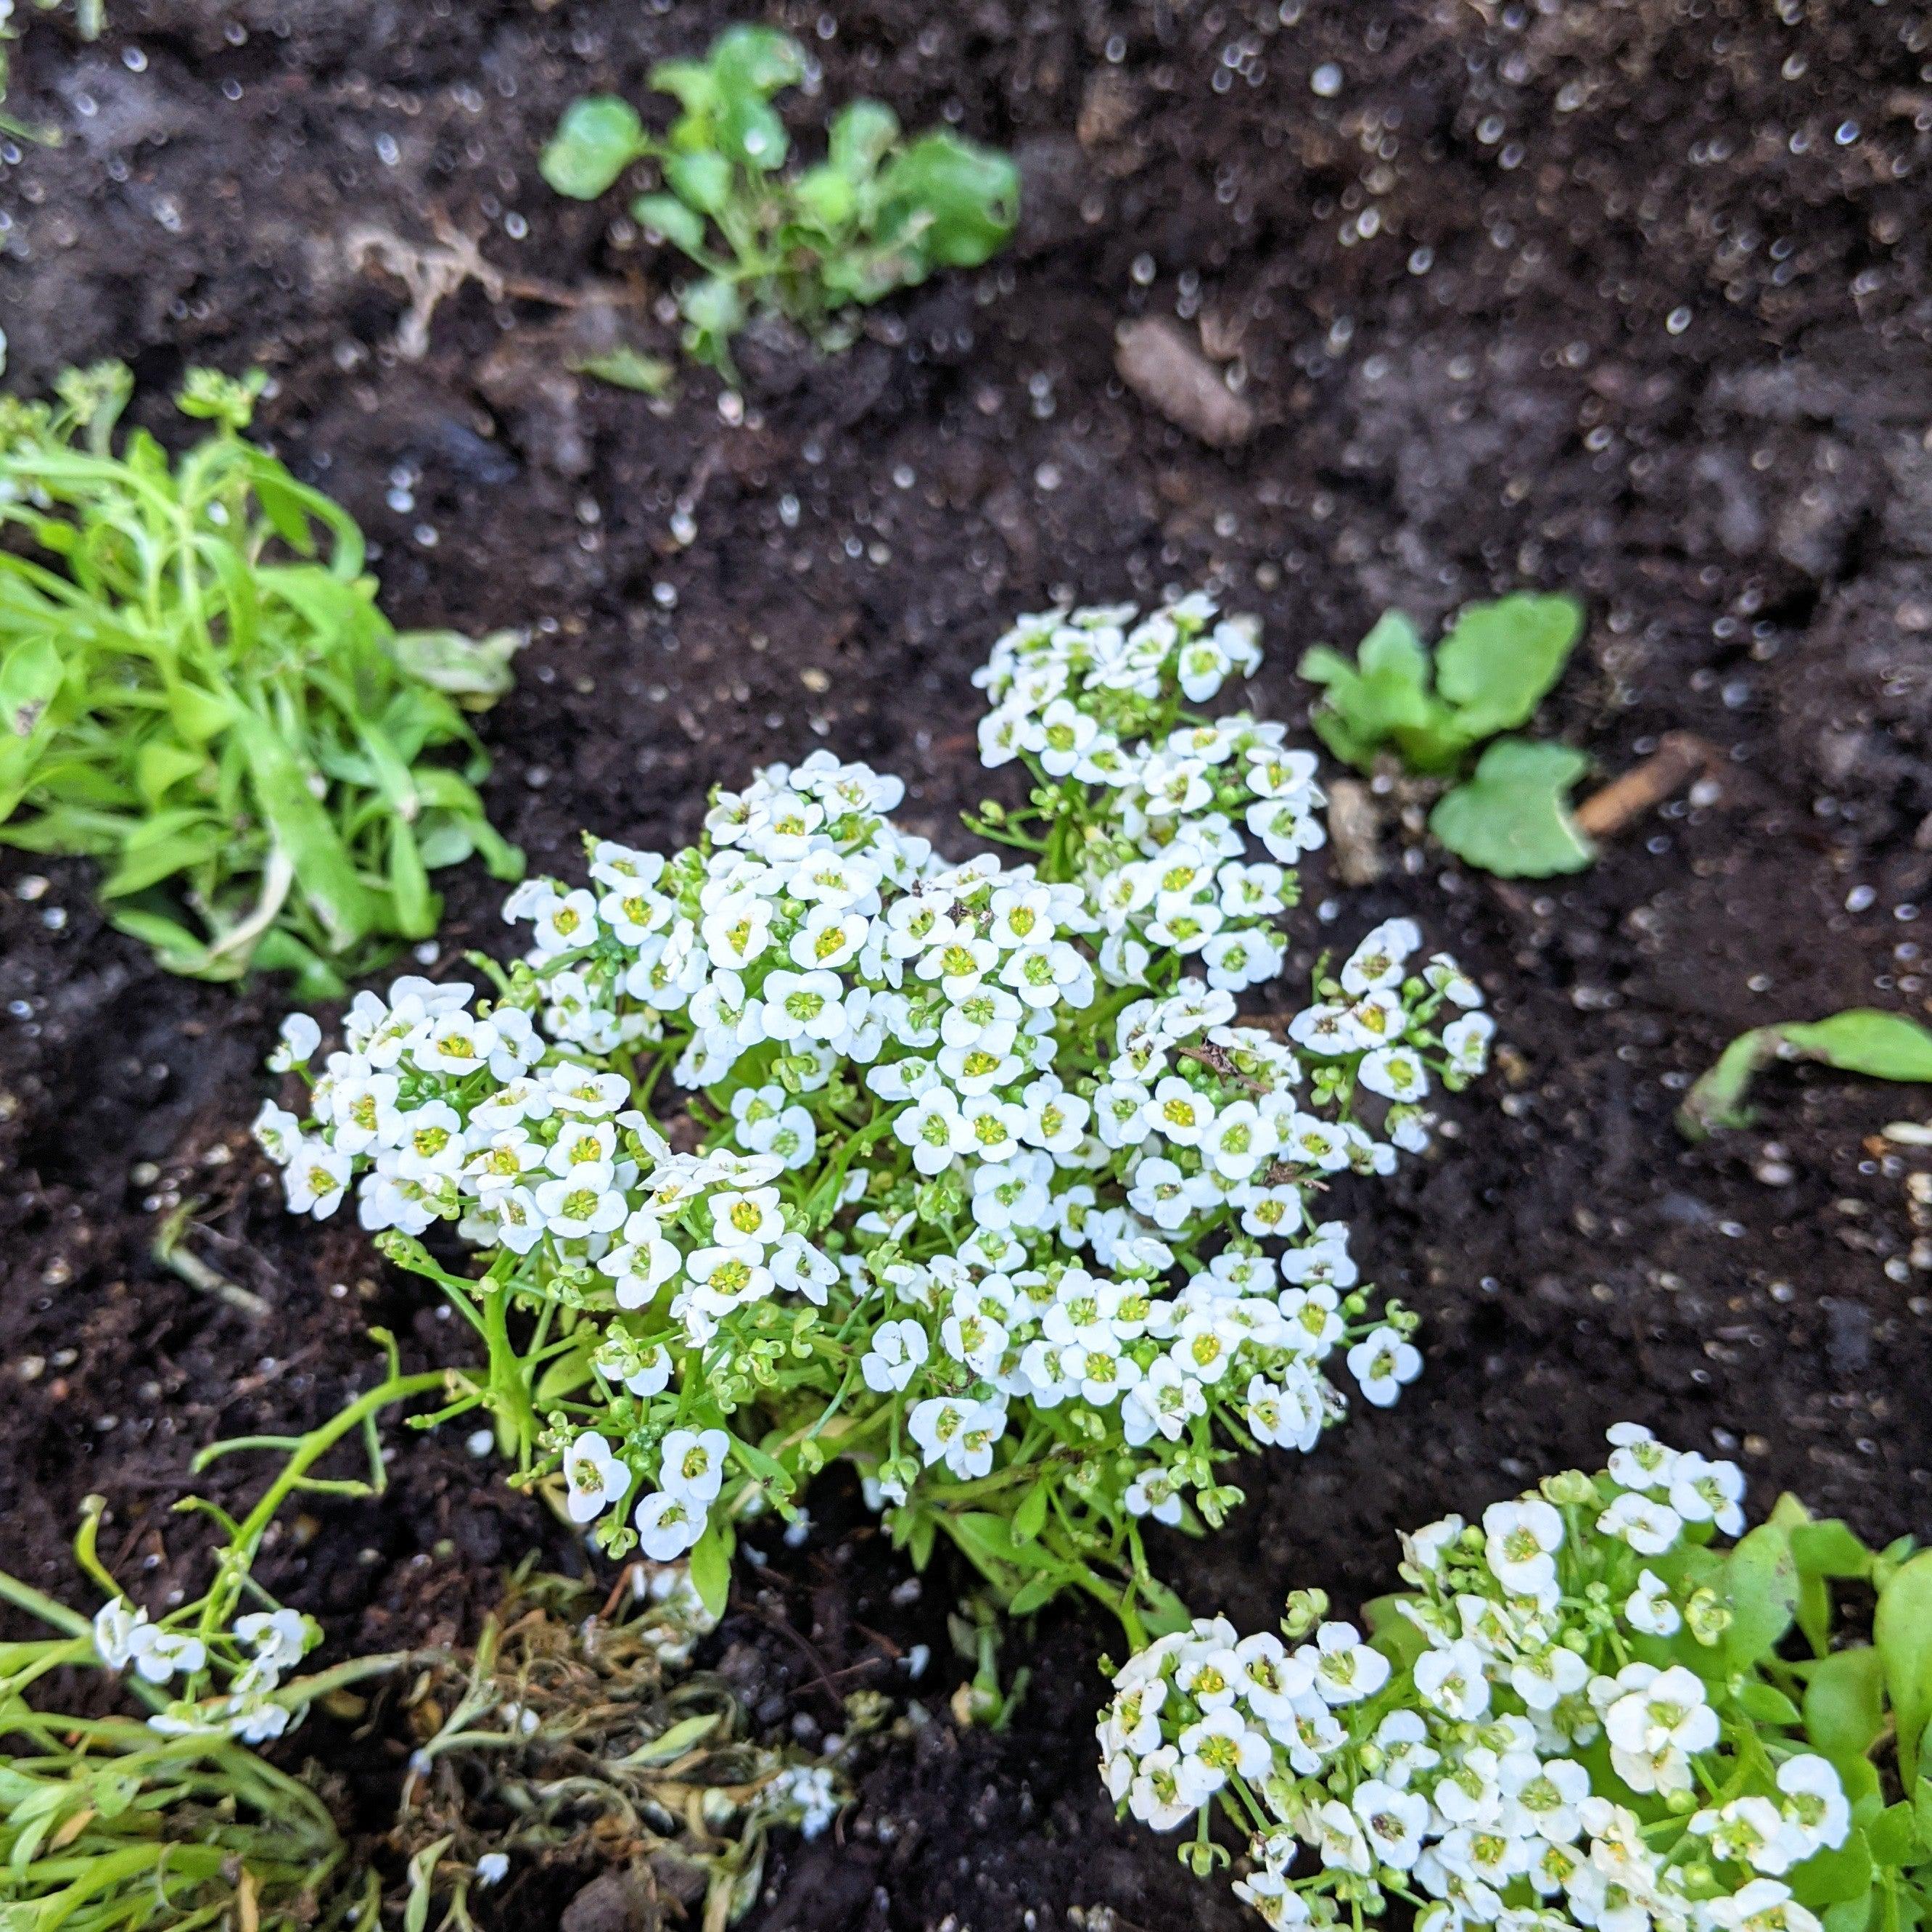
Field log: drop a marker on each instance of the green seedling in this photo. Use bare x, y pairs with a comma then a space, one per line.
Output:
198, 689
879, 213
1489, 673
573, 1731
1885, 1046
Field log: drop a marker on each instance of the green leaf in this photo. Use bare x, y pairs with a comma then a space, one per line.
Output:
711, 1566
1890, 1837
1765, 1704
1829, 1548
958, 202
569, 1372
162, 764
1902, 1636
624, 368
1834, 1877
1501, 658
682, 227
827, 196
1030, 1518
1511, 818
692, 84
1844, 1702
1761, 1584
1383, 693
597, 140
1862, 1039
751, 134
702, 181
29, 677
1034, 1594
1854, 1914
1886, 1045
861, 135
1392, 1634
757, 60
715, 312
684, 1736
460, 667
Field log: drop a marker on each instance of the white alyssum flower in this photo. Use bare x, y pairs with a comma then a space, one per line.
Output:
972, 1161
1524, 1771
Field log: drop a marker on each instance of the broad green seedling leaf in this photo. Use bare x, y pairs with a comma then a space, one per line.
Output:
1511, 818
597, 140
1500, 659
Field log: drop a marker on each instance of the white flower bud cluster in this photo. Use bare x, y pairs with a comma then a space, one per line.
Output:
250, 1658
1526, 1747
988, 1171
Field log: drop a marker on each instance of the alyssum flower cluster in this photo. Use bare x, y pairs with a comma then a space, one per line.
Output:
980, 1183
1575, 1718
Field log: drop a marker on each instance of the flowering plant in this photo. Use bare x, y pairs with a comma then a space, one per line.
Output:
1578, 1715
575, 1710
980, 1184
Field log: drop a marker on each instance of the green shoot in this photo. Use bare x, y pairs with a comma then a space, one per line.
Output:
198, 689
877, 215
1886, 1046
1496, 664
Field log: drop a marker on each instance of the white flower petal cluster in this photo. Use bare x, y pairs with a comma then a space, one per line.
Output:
982, 1146
251, 1656
1545, 1761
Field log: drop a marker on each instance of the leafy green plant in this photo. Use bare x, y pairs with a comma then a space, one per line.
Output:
197, 688
878, 214
1863, 1039
1584, 1710
1488, 675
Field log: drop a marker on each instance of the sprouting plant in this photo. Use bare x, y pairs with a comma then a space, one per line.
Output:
877, 215
170, 1820
1864, 1039
574, 1732
197, 688
1582, 1712
985, 1187
1488, 675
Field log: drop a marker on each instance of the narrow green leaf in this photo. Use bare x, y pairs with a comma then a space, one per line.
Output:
1030, 1518
625, 367
1902, 1635
1863, 1039
711, 1568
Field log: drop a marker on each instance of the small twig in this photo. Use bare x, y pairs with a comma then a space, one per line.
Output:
189, 1267
1680, 756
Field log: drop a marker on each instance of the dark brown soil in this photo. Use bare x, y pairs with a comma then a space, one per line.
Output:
1632, 297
